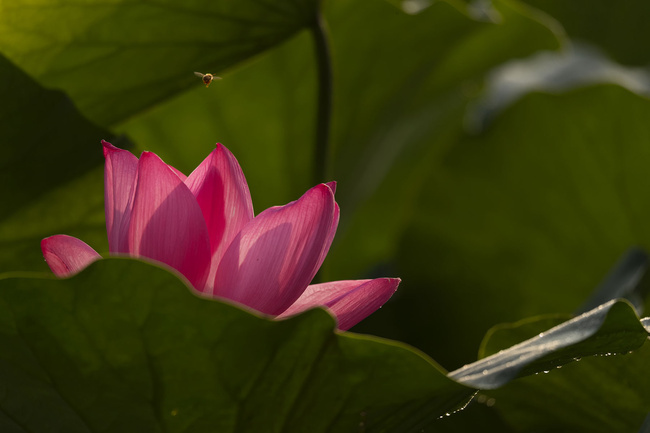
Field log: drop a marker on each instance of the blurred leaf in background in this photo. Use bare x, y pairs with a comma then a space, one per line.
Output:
50, 170
264, 112
615, 30
527, 217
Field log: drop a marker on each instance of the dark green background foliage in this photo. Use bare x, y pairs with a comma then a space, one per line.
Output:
488, 215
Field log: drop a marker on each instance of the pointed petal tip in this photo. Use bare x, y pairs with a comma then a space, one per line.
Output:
108, 148
217, 149
362, 302
220, 147
147, 158
324, 188
396, 281
332, 186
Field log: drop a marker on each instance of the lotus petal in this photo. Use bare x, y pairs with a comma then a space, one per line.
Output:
276, 255
221, 191
67, 255
166, 222
120, 172
350, 301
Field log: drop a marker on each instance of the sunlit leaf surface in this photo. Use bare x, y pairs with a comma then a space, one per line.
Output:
117, 58
594, 394
610, 329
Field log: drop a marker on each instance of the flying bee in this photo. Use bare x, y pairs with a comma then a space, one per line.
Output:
206, 78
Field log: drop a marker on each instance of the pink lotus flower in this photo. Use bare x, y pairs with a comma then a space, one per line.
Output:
203, 226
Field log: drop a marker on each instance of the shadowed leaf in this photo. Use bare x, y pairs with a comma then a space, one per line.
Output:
124, 346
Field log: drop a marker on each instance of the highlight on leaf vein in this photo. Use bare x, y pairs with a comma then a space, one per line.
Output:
206, 78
